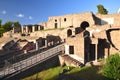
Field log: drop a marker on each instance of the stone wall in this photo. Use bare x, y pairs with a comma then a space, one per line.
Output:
74, 20
78, 43
45, 33
56, 32
98, 25
98, 31
9, 34
115, 40
110, 17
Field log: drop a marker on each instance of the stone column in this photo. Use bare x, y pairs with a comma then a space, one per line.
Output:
26, 29
66, 49
37, 46
96, 52
106, 52
38, 27
13, 30
22, 28
33, 28
46, 44
59, 23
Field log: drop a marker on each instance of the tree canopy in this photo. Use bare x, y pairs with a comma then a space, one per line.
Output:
101, 9
1, 29
16, 24
0, 22
7, 26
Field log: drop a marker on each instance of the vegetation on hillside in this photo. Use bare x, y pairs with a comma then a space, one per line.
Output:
111, 69
85, 73
101, 9
7, 26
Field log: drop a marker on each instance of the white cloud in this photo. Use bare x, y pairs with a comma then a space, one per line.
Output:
30, 17
20, 15
4, 12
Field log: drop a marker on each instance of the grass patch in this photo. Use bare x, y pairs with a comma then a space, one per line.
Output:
89, 73
85, 73
49, 74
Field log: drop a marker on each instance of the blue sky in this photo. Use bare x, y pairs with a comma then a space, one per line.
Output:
36, 11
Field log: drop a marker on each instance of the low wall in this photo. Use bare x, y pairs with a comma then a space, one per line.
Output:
57, 32
54, 61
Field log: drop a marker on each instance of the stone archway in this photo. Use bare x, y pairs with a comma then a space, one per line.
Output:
69, 32
84, 25
86, 33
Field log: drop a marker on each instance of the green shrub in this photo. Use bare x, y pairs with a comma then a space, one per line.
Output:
111, 69
1, 31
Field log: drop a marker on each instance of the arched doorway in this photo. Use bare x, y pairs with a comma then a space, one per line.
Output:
69, 32
84, 25
86, 33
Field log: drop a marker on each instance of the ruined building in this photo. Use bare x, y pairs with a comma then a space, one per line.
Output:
88, 36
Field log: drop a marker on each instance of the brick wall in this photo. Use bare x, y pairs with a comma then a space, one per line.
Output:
78, 43
116, 18
70, 20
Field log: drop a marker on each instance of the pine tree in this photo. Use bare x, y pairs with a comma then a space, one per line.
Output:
101, 9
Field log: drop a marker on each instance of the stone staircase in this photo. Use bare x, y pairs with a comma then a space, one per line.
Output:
71, 61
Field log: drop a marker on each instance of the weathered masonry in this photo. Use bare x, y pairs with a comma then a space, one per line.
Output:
31, 28
74, 20
88, 36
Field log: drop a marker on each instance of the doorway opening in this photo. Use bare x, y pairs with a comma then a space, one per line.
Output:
56, 25
92, 52
69, 32
71, 49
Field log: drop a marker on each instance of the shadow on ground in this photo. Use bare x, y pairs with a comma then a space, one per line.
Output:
87, 73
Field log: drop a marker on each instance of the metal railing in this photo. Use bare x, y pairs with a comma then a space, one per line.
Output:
31, 61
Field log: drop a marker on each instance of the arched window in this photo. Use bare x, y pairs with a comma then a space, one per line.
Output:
65, 19
84, 25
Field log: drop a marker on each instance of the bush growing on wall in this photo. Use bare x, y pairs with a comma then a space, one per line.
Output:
111, 69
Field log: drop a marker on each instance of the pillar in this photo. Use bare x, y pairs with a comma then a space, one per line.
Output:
37, 46
59, 23
14, 30
33, 28
96, 52
106, 52
46, 44
26, 29
66, 49
38, 27
22, 28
